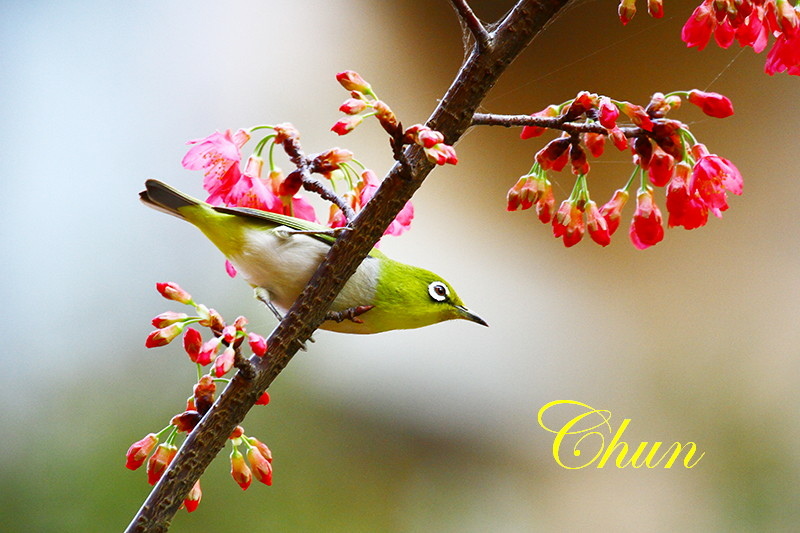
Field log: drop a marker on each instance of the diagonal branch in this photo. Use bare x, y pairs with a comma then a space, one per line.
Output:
452, 117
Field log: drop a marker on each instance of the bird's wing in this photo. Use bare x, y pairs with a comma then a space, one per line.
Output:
273, 219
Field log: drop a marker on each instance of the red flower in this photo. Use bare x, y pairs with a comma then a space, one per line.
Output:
219, 156
609, 113
712, 176
661, 167
753, 32
611, 210
697, 30
159, 461
596, 224
192, 343
595, 142
193, 498
568, 223
684, 206
139, 451
713, 104
646, 228
784, 55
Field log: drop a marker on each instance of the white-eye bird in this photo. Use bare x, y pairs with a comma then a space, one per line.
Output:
278, 254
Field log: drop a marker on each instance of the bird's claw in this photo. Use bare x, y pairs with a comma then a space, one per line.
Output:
351, 313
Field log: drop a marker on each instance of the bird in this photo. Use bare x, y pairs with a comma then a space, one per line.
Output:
277, 255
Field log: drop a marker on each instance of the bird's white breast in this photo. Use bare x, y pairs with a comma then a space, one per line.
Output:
282, 263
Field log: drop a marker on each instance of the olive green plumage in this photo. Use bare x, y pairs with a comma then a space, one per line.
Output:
266, 252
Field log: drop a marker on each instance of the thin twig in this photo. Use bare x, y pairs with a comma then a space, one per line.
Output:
555, 123
452, 117
483, 38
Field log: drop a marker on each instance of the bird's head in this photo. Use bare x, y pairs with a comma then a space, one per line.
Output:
412, 297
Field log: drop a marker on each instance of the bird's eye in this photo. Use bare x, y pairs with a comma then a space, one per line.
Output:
438, 291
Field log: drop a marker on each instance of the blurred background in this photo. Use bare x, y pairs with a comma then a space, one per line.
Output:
695, 339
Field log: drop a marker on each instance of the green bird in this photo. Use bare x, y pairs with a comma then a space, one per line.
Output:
278, 254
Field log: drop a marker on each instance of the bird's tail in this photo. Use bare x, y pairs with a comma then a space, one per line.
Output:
166, 199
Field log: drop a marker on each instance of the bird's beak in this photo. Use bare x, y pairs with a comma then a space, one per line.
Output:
466, 314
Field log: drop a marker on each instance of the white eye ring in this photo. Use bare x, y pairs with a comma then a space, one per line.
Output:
438, 291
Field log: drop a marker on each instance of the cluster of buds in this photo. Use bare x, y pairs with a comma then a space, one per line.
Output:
627, 9
258, 455
750, 22
364, 103
222, 350
226, 338
696, 181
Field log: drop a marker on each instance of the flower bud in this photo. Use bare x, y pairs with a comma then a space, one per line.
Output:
193, 498
353, 106
139, 451
172, 291
168, 318
224, 362
163, 336
258, 344
713, 104
263, 399
159, 462
262, 468
239, 471
352, 81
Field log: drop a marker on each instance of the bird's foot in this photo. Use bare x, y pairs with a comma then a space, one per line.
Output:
262, 295
351, 313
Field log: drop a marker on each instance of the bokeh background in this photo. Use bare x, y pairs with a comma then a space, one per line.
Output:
426, 430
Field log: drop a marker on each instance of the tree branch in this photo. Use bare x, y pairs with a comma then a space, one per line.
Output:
482, 38
452, 117
555, 123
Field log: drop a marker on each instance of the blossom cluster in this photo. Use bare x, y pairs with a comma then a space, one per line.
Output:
364, 103
222, 350
696, 181
750, 22
232, 183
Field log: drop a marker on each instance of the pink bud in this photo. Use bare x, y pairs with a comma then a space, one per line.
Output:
172, 291
352, 81
224, 362
257, 343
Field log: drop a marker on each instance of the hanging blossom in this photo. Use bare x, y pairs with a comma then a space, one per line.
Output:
665, 155
219, 354
749, 22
